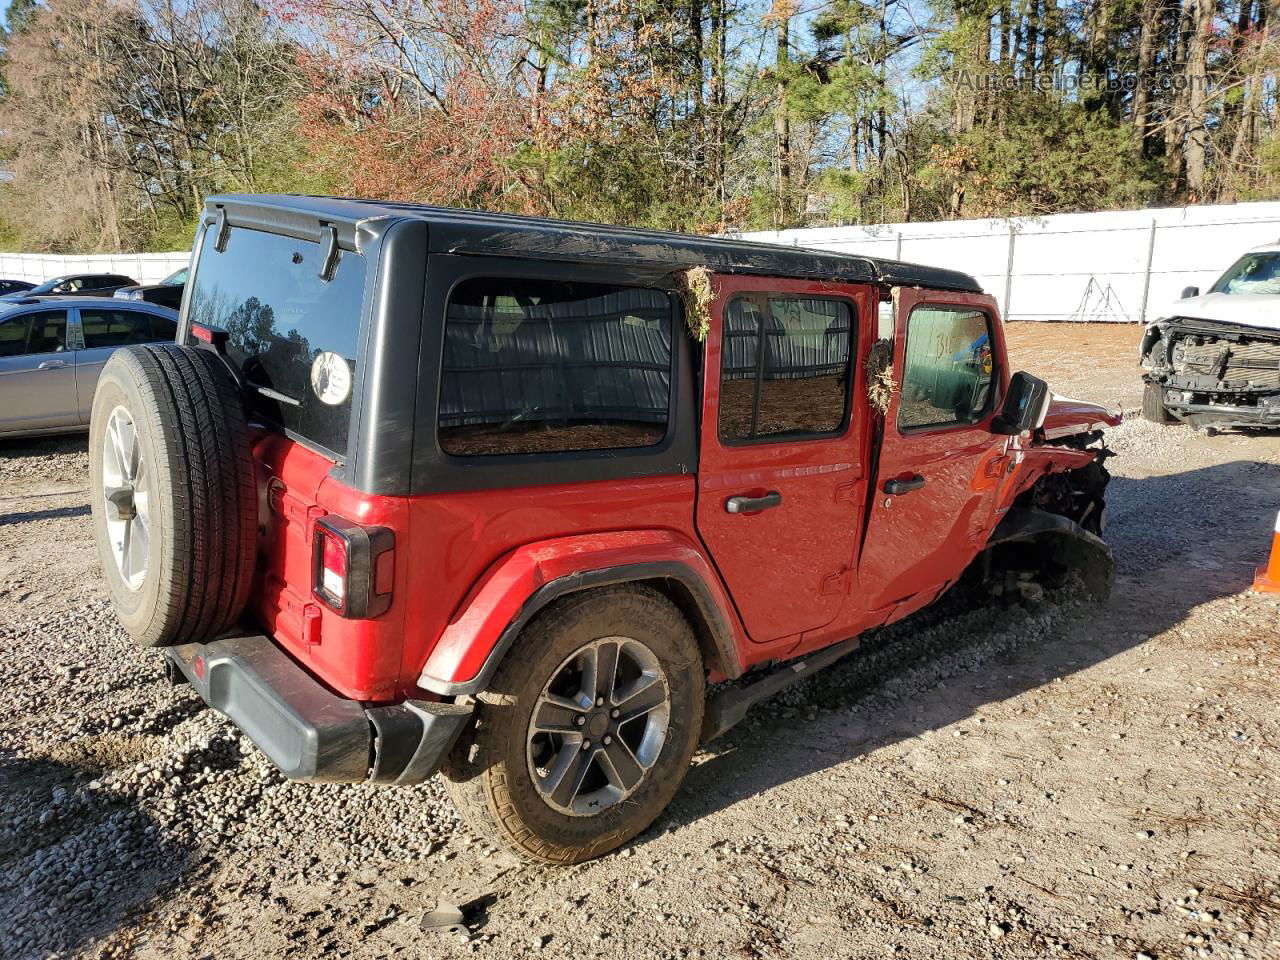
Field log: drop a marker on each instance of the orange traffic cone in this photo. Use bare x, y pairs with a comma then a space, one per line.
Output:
1268, 580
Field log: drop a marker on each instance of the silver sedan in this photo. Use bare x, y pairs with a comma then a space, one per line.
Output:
52, 350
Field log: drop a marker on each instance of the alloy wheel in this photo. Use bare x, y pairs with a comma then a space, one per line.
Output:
598, 726
127, 498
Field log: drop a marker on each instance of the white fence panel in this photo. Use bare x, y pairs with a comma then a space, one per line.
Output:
143, 267
1107, 266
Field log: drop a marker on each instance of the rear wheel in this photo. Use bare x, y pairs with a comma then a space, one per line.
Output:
587, 729
1153, 407
172, 493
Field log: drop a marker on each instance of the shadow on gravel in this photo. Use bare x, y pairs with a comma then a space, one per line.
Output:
74, 861
33, 515
1180, 540
44, 446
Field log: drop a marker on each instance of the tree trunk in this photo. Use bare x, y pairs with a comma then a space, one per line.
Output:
781, 122
1098, 53
982, 67
718, 93
1033, 38
1197, 98
1249, 125
1176, 122
1150, 25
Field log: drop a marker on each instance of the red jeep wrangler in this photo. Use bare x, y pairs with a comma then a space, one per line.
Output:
426, 490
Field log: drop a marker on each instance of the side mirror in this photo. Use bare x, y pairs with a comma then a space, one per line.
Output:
1188, 292
1024, 407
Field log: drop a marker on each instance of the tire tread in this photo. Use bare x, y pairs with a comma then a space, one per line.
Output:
205, 475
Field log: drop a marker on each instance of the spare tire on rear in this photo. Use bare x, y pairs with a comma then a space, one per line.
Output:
173, 493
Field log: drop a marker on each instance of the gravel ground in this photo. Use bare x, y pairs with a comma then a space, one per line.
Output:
1065, 779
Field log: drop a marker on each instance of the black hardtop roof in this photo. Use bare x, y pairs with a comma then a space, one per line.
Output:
508, 235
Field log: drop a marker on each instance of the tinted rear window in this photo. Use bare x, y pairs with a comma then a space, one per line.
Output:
118, 328
543, 366
293, 335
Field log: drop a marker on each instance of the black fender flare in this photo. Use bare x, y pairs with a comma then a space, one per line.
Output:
1071, 543
714, 634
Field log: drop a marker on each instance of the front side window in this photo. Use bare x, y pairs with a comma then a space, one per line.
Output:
118, 328
949, 368
43, 332
1253, 273
784, 368
547, 366
293, 335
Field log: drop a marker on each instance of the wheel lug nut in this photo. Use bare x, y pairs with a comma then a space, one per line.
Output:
580, 720
586, 744
614, 714
608, 740
599, 701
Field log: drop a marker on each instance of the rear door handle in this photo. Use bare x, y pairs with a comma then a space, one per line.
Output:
52, 365
896, 488
753, 504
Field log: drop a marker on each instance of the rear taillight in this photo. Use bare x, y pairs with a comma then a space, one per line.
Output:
333, 569
353, 567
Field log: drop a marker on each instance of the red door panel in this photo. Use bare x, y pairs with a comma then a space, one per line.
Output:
780, 514
934, 492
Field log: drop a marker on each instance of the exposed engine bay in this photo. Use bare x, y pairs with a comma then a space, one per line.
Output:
1214, 374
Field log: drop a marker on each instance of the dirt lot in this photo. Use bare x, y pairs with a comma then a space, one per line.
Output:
1065, 780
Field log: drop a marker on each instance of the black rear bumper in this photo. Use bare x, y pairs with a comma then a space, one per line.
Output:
308, 731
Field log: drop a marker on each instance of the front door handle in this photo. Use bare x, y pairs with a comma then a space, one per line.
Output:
896, 488
52, 365
753, 504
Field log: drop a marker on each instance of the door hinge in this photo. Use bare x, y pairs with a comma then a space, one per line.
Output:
847, 491
995, 467
836, 583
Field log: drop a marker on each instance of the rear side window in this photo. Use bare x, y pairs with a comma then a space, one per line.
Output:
118, 328
43, 332
543, 366
293, 335
784, 371
949, 367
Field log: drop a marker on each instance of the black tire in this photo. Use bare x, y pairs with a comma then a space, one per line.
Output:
488, 772
1153, 407
192, 434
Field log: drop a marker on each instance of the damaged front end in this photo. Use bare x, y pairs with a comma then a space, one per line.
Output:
1052, 532
1214, 374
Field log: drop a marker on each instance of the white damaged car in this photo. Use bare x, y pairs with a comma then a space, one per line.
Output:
1213, 359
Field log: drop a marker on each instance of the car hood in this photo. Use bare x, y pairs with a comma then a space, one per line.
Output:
1067, 417
1248, 309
